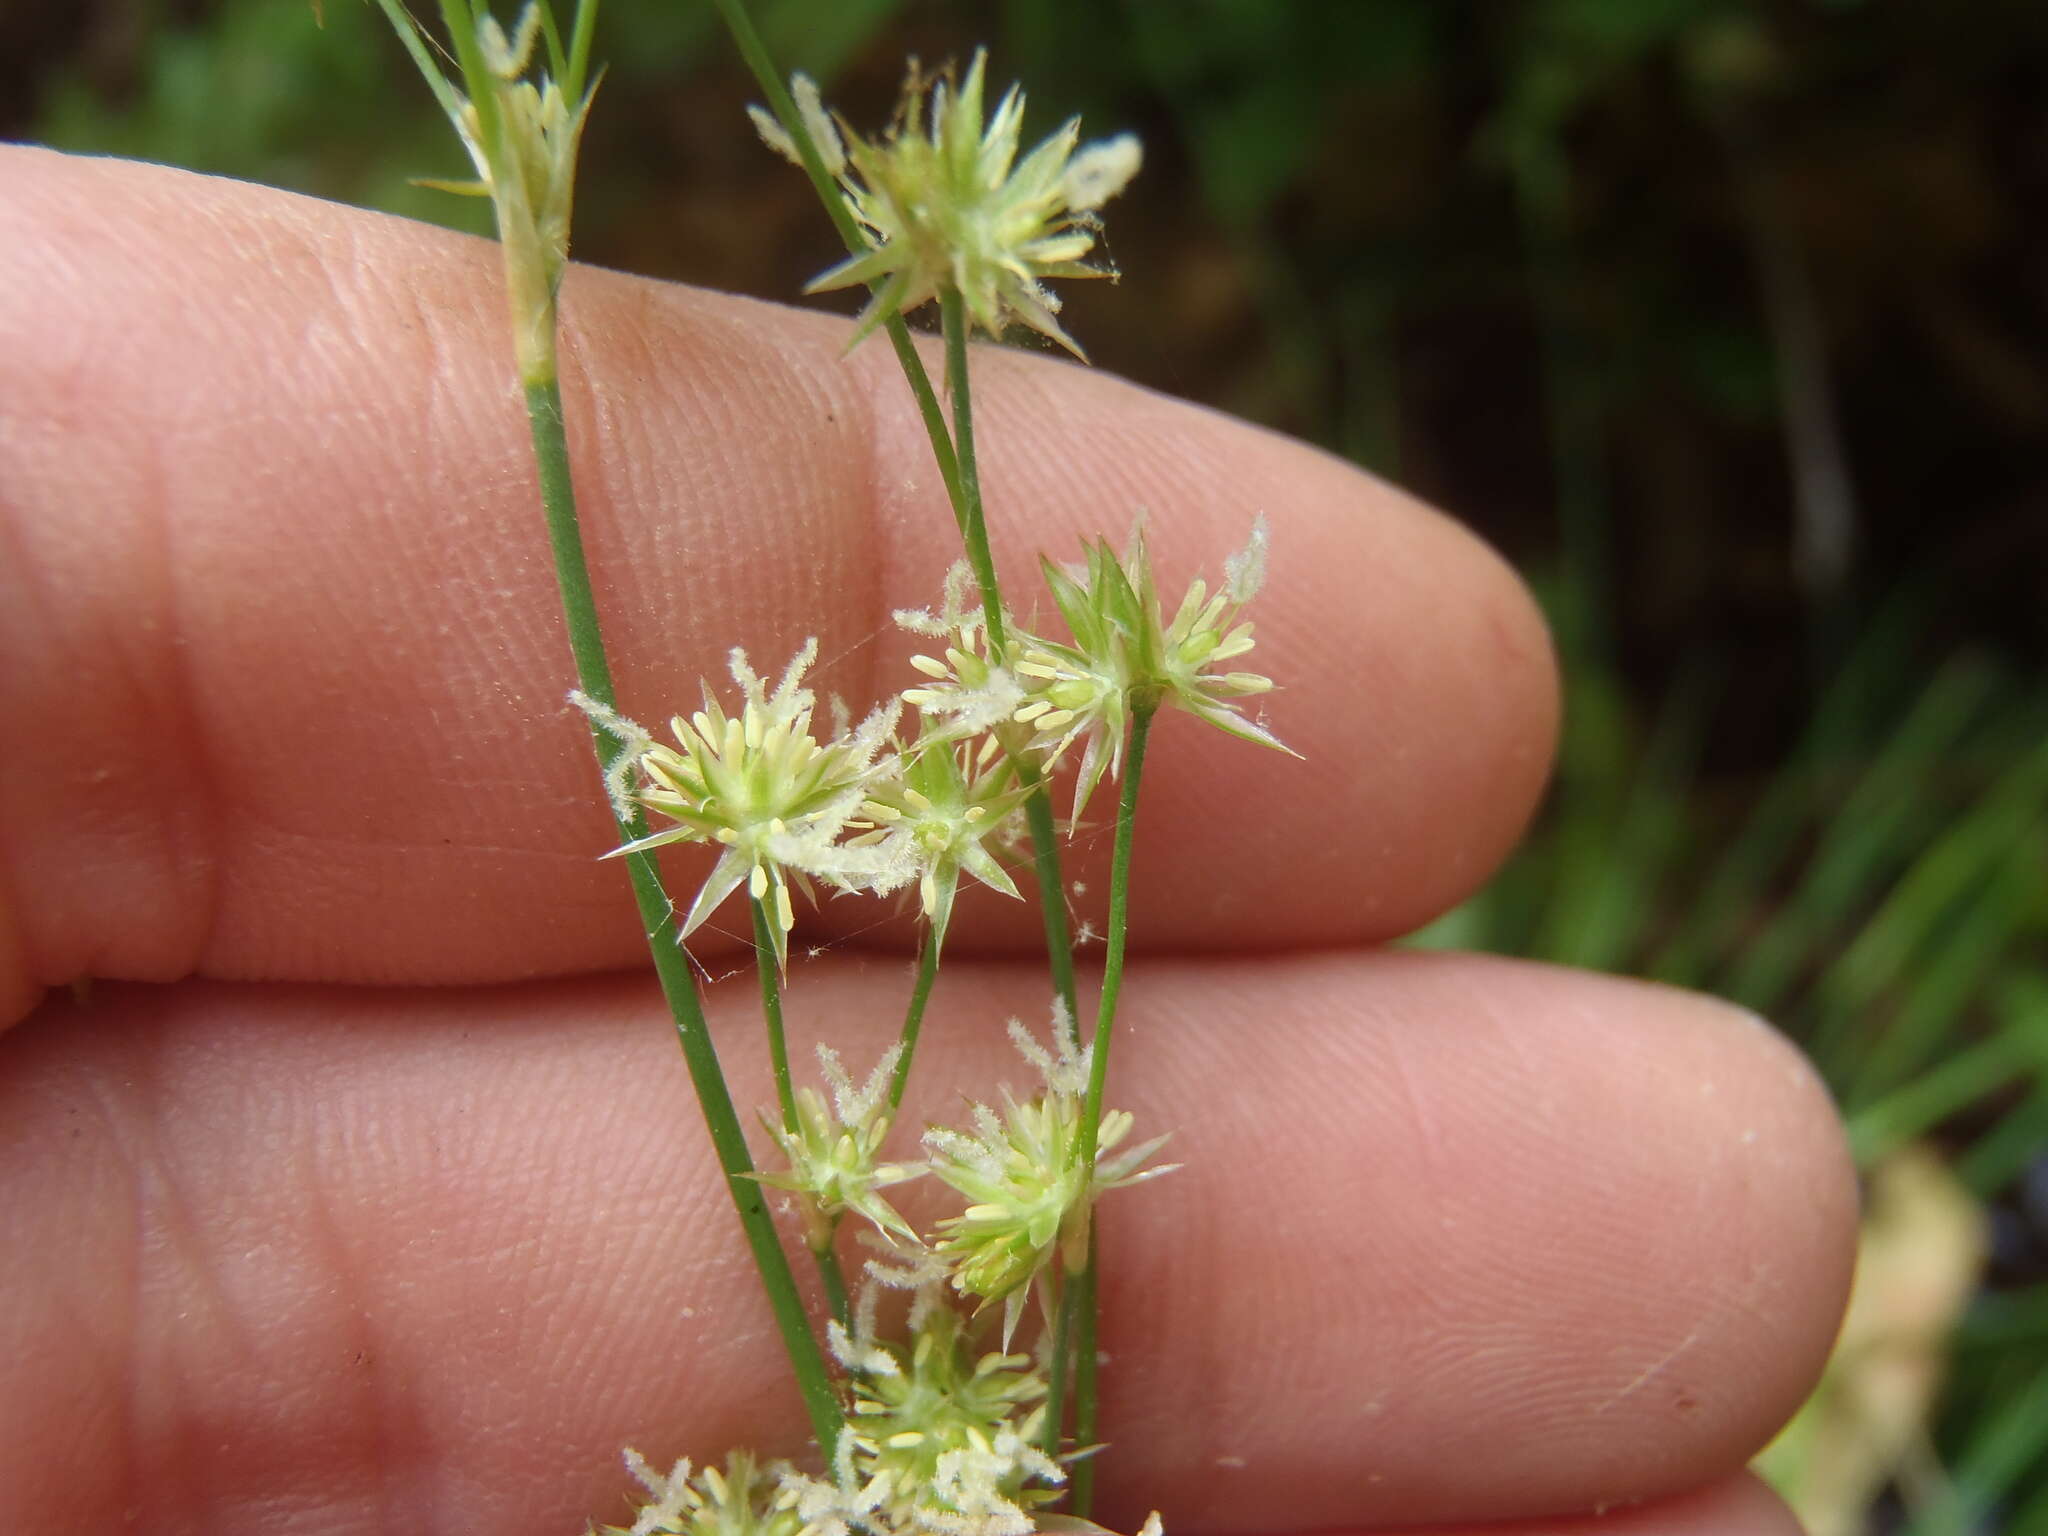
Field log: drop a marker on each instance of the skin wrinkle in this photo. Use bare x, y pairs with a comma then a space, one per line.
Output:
380, 1399
193, 817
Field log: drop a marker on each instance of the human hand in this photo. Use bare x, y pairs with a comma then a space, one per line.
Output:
364, 1189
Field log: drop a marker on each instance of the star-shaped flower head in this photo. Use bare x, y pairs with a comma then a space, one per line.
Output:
1021, 1171
971, 689
944, 202
937, 817
1125, 654
833, 1153
761, 785
941, 1441
522, 137
745, 1499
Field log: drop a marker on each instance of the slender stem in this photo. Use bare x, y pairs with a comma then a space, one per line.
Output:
953, 451
572, 571
769, 78
1056, 1371
771, 1012
1052, 897
834, 1280
671, 965
1081, 1489
1090, 1128
967, 509
913, 1017
1119, 920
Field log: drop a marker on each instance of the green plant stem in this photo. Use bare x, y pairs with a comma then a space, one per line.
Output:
671, 965
834, 1281
968, 513
769, 78
967, 510
1119, 922
956, 464
1056, 1369
913, 1017
766, 968
1052, 895
1081, 1490
1088, 1133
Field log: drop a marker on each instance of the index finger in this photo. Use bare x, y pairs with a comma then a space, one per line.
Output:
282, 650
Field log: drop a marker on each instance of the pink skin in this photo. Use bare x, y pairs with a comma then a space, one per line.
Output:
385, 1207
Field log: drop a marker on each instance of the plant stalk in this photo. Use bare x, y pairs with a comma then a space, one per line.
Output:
671, 965
834, 1281
1081, 1489
769, 78
967, 510
1088, 1133
765, 967
1056, 1369
913, 1017
1052, 894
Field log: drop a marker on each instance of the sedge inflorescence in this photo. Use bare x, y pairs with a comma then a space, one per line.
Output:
937, 1428
944, 204
864, 810
944, 1437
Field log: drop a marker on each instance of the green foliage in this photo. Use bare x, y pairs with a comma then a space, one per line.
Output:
1884, 898
263, 92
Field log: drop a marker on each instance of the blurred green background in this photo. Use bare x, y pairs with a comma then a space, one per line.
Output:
1725, 318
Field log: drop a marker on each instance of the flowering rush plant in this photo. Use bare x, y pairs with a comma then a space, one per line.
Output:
949, 1371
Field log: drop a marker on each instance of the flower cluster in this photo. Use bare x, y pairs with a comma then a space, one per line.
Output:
834, 1154
945, 205
861, 809
1019, 1168
940, 1440
935, 1436
937, 817
745, 1499
762, 786
1022, 1174
1123, 655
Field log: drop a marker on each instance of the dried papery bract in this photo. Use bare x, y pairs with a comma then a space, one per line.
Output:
522, 135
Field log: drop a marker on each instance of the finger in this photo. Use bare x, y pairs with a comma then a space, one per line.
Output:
1453, 1240
1736, 1506
281, 643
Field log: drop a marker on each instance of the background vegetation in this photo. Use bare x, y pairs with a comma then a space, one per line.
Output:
1724, 317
